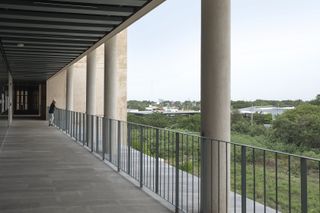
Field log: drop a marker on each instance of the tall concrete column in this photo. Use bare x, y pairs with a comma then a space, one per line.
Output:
215, 105
69, 95
115, 87
91, 92
10, 94
115, 82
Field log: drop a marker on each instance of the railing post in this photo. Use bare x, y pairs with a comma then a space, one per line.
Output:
110, 139
71, 130
83, 128
119, 145
243, 180
59, 115
97, 134
141, 156
129, 148
80, 126
177, 173
104, 137
61, 119
92, 132
304, 185
72, 124
157, 161
85, 118
66, 127
77, 127
56, 118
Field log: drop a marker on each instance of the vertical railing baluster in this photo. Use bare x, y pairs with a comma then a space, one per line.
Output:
119, 145
254, 179
243, 180
219, 175
92, 132
276, 168
110, 140
104, 132
77, 127
319, 183
141, 156
227, 174
304, 185
289, 182
129, 148
97, 134
66, 127
264, 183
72, 117
177, 173
234, 179
83, 129
157, 161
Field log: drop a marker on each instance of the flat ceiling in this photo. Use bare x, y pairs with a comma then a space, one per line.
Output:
40, 37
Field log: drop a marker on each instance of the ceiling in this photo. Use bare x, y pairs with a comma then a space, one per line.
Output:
40, 37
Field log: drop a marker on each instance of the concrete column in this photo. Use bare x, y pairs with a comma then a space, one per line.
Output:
115, 83
10, 94
115, 87
215, 104
69, 96
91, 91
69, 92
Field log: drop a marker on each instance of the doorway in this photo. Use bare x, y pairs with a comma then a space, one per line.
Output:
26, 100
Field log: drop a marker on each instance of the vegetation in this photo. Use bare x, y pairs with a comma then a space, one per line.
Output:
296, 131
300, 127
186, 105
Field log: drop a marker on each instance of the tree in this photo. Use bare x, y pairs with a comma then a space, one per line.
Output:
316, 101
300, 126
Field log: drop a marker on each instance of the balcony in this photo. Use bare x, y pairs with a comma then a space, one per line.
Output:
43, 170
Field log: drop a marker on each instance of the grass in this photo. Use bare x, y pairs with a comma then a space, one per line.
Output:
282, 183
190, 162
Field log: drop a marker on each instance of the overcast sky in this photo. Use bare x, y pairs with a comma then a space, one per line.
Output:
275, 51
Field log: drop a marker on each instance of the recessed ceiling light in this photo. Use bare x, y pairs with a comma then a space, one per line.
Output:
20, 45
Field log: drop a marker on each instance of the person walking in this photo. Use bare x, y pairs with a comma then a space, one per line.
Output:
51, 112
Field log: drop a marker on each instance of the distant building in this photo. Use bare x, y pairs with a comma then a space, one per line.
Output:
274, 111
152, 108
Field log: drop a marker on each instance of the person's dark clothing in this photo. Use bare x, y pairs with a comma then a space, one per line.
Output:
52, 108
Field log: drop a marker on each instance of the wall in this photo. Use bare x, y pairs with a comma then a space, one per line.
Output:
56, 89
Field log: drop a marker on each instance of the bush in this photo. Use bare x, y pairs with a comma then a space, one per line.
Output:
300, 126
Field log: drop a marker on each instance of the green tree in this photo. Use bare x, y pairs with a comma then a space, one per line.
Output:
300, 126
316, 101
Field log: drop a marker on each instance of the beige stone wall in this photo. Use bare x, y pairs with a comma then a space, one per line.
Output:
56, 89
79, 85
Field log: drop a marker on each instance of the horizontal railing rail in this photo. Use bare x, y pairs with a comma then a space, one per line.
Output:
168, 163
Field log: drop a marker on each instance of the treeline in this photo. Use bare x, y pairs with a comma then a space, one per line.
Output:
195, 105
189, 123
299, 127
181, 105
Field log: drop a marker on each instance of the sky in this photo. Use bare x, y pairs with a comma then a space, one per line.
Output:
275, 51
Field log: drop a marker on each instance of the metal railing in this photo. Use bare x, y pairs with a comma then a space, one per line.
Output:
168, 163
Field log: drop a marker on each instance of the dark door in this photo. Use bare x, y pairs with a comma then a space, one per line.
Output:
26, 100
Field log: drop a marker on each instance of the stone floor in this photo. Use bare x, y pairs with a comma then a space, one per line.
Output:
43, 170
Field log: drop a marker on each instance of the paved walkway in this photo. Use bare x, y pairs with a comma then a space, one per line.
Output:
43, 170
